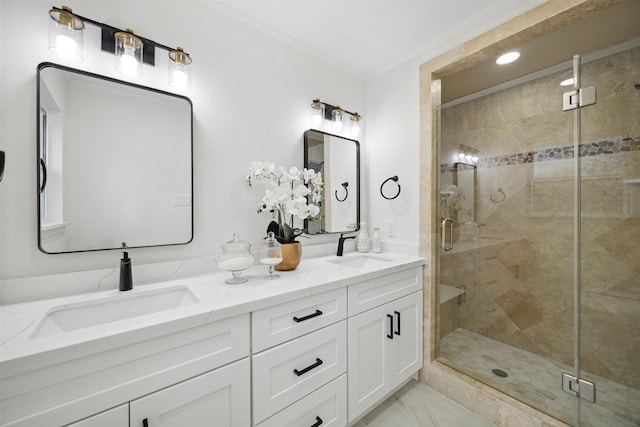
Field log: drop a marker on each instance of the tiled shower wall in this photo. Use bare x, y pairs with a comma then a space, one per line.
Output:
519, 290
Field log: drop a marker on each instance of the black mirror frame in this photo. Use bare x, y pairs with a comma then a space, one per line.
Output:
40, 176
306, 165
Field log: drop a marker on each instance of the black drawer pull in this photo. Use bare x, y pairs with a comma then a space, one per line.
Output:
397, 332
145, 423
302, 319
390, 334
318, 422
308, 368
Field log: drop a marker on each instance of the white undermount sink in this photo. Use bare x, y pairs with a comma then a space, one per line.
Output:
70, 317
359, 261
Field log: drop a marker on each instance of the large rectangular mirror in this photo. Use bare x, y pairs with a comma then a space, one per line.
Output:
338, 159
114, 163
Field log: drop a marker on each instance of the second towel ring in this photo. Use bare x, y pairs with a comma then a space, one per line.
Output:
395, 179
345, 185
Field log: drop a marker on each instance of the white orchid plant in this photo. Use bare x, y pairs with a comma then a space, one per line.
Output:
290, 193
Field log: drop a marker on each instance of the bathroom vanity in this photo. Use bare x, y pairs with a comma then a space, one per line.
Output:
322, 345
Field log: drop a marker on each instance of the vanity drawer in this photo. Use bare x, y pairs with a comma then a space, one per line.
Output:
372, 293
275, 325
326, 407
290, 371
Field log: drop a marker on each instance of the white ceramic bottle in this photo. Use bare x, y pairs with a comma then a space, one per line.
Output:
362, 242
376, 243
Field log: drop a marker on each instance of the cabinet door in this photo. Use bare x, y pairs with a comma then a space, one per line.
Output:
218, 398
367, 359
115, 417
406, 357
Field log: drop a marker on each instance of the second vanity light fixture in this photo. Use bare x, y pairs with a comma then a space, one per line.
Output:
468, 154
66, 31
323, 111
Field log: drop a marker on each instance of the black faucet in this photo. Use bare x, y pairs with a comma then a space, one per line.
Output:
341, 240
126, 278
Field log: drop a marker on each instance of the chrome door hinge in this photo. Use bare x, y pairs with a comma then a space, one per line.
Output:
578, 387
578, 98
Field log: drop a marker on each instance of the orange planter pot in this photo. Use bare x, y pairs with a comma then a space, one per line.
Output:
291, 255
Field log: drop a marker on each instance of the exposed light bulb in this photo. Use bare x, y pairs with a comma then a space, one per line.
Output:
65, 46
461, 156
468, 157
179, 76
474, 159
355, 129
128, 62
337, 125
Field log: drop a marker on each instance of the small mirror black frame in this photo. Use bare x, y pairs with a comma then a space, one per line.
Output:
355, 188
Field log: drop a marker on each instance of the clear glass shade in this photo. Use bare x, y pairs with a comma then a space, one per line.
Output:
66, 35
128, 53
179, 68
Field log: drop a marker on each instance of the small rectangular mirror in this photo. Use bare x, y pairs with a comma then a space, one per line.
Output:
338, 159
114, 163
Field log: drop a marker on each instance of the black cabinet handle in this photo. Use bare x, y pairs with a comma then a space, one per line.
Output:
308, 368
390, 334
302, 319
397, 332
318, 422
145, 423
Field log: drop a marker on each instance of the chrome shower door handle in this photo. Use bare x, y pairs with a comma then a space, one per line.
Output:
447, 245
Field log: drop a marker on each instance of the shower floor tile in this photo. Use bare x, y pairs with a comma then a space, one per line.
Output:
536, 380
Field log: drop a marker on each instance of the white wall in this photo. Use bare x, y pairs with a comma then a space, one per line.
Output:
251, 97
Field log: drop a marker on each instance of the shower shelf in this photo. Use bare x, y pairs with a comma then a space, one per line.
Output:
632, 181
447, 293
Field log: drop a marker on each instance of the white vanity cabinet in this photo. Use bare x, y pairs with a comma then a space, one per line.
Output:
307, 350
192, 364
384, 337
114, 417
309, 362
217, 398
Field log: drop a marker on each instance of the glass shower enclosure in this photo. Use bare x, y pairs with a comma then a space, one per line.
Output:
539, 266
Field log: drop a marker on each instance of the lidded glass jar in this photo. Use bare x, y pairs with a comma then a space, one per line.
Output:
236, 256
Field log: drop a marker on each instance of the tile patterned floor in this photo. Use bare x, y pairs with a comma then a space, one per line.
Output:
416, 405
536, 380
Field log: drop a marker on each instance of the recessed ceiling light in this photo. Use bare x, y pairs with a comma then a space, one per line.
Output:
508, 58
567, 82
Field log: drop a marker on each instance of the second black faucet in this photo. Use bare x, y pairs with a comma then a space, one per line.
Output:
341, 240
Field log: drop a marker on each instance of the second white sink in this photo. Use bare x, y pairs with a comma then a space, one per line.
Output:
125, 305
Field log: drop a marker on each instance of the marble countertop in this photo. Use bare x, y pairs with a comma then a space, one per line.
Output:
20, 351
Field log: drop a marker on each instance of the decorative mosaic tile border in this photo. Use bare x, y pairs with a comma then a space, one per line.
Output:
617, 145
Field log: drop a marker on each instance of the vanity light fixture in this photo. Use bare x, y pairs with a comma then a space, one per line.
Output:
323, 111
66, 35
131, 50
508, 58
467, 154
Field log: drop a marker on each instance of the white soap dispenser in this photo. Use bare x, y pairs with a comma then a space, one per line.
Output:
362, 242
376, 242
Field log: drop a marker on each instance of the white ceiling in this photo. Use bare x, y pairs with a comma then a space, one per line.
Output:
367, 37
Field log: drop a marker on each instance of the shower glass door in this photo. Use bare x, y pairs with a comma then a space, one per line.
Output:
609, 309
543, 275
